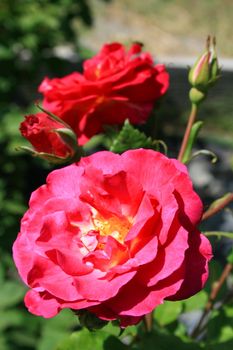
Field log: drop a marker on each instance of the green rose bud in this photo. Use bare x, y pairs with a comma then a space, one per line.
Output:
199, 74
204, 73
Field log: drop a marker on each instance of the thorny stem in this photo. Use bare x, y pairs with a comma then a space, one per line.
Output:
216, 286
212, 211
191, 120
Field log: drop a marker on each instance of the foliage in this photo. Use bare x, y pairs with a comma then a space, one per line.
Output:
131, 138
30, 31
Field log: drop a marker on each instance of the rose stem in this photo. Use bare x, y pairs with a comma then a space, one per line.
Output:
216, 286
148, 321
210, 212
191, 120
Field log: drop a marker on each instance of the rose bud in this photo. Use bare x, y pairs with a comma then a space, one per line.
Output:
204, 73
199, 74
50, 139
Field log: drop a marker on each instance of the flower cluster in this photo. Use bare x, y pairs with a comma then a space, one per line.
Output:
115, 235
115, 85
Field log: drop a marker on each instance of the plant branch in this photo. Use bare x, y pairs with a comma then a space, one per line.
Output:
191, 120
213, 210
216, 286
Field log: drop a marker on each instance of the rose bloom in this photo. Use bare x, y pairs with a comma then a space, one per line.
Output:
116, 85
39, 130
113, 234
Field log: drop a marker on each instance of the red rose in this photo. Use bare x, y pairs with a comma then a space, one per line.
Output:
115, 234
114, 86
39, 130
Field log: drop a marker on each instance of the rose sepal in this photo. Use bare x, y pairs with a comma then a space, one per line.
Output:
89, 320
46, 156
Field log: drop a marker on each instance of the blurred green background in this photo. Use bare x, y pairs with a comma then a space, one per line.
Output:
43, 37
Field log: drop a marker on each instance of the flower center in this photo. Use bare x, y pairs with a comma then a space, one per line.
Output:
114, 226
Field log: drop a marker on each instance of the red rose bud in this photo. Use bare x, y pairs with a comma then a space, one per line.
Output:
49, 138
205, 71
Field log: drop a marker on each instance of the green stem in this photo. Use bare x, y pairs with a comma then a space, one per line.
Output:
219, 234
221, 205
191, 120
216, 286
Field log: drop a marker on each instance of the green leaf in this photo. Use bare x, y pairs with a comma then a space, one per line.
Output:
114, 343
10, 318
197, 301
131, 138
113, 328
220, 327
167, 312
56, 329
3, 344
14, 207
24, 340
98, 340
63, 321
221, 346
192, 138
50, 339
10, 294
160, 341
129, 334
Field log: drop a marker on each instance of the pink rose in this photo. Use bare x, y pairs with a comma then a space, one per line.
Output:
113, 234
116, 85
39, 130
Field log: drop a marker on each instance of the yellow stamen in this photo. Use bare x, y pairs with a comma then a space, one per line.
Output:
114, 226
